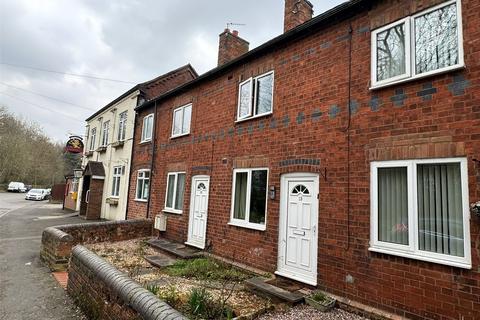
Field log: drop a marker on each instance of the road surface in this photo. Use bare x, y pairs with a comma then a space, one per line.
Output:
27, 288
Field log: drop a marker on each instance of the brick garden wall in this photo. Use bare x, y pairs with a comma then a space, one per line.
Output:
438, 116
103, 292
57, 242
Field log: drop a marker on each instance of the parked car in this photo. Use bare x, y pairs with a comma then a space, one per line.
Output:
36, 194
28, 187
16, 187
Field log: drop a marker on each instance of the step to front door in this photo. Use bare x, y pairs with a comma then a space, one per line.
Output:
176, 249
262, 286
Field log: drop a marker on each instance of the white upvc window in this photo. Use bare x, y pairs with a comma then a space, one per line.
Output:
181, 120
117, 175
420, 210
255, 96
175, 192
147, 128
249, 198
426, 43
143, 185
122, 126
105, 133
93, 137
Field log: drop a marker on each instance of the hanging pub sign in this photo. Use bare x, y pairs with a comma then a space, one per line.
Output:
74, 145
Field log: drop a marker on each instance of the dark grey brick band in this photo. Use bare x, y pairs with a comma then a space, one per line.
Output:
147, 305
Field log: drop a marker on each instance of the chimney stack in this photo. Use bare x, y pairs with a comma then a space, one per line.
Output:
230, 46
296, 13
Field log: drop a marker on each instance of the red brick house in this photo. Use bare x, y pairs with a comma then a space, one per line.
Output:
342, 154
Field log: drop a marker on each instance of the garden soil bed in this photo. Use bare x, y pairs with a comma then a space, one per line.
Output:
174, 284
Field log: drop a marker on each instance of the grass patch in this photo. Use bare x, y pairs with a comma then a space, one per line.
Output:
206, 269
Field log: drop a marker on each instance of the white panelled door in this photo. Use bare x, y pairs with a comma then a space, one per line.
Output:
197, 226
297, 254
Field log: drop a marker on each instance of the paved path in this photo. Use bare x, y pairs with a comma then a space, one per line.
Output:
27, 288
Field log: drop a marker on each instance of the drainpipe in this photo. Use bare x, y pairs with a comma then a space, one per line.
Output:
131, 162
152, 161
347, 129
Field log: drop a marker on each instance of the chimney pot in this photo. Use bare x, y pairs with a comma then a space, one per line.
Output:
230, 46
297, 12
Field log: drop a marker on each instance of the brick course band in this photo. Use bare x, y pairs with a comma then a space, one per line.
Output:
57, 242
92, 278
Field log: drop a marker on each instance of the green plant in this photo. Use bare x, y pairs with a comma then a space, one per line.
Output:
153, 288
201, 305
319, 296
206, 269
170, 295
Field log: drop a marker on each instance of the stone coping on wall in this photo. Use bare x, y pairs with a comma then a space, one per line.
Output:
58, 241
103, 292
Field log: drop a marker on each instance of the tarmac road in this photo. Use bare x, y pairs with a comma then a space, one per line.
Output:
27, 288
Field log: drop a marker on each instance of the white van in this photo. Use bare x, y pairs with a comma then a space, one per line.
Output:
16, 187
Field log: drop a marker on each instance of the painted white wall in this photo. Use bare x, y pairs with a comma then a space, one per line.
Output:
112, 157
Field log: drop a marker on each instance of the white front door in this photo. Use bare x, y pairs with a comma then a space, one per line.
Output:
297, 249
197, 226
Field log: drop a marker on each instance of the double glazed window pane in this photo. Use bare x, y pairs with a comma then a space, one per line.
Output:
264, 94
171, 188
245, 102
391, 53
436, 39
393, 205
177, 122
239, 210
258, 196
440, 214
179, 193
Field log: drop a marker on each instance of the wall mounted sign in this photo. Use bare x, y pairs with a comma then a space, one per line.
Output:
74, 145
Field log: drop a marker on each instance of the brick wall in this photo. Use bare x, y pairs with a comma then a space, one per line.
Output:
438, 116
103, 292
57, 242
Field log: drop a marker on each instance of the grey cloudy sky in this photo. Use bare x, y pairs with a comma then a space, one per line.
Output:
129, 40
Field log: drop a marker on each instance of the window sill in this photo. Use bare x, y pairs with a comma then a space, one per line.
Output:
145, 141
417, 77
172, 211
464, 265
180, 135
141, 200
118, 144
253, 226
254, 117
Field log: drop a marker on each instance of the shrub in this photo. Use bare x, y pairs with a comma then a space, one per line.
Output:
201, 305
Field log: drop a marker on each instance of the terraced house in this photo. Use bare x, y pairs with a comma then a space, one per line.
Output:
109, 133
341, 154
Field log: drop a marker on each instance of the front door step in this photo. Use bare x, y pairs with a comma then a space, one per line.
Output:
263, 286
160, 261
176, 249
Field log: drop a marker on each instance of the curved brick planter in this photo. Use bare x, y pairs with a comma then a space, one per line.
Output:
103, 292
57, 242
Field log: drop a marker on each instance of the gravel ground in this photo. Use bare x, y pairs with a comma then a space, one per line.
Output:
304, 312
128, 255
